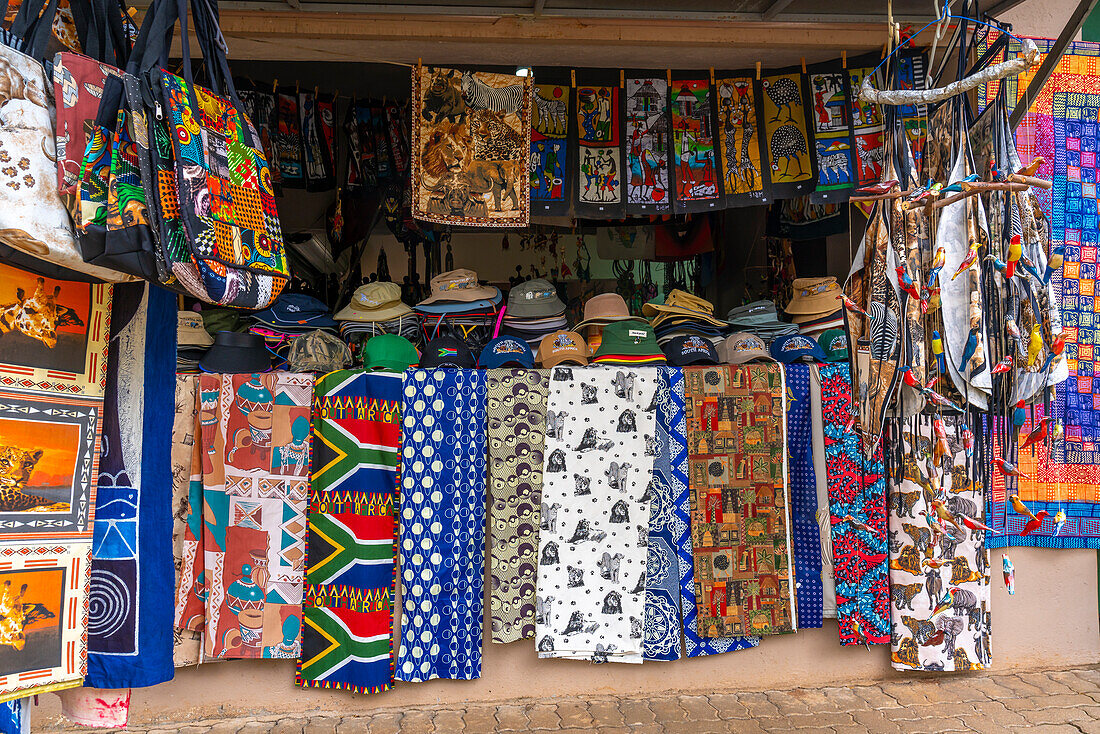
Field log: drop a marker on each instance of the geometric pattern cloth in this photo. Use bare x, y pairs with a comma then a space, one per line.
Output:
516, 432
347, 608
806, 546
256, 461
738, 470
857, 489
187, 512
442, 524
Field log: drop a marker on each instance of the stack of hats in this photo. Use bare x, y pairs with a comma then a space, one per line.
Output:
534, 310
834, 343
376, 308
562, 347
192, 341
630, 343
760, 318
290, 316
389, 353
599, 311
683, 314
506, 351
741, 348
796, 348
816, 305
461, 308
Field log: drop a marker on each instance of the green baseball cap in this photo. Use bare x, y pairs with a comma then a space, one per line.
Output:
629, 342
389, 352
834, 342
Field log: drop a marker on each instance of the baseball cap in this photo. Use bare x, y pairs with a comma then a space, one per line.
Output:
741, 347
628, 342
796, 347
389, 353
318, 351
506, 351
296, 310
686, 350
535, 299
446, 351
377, 301
834, 342
190, 331
562, 347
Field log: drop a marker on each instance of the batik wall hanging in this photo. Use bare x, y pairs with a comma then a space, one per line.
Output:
910, 73
186, 513
823, 517
262, 110
696, 170
739, 520
383, 157
442, 523
831, 110
648, 146
256, 463
317, 121
857, 515
788, 135
549, 150
805, 542
288, 141
361, 169
595, 523
516, 432
939, 572
671, 416
130, 599
600, 156
471, 147
398, 137
347, 610
746, 175
869, 130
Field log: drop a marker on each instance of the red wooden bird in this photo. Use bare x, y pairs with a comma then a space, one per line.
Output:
1035, 523
1003, 366
1037, 435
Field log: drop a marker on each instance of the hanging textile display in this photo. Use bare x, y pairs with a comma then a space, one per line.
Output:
549, 151
53, 368
662, 586
600, 160
672, 418
288, 141
939, 574
516, 432
471, 145
738, 478
831, 109
15, 716
130, 596
347, 608
746, 175
806, 544
869, 130
442, 524
787, 133
695, 160
187, 514
823, 517
595, 523
256, 461
361, 169
857, 512
383, 156
397, 135
911, 73
648, 146
318, 141
261, 108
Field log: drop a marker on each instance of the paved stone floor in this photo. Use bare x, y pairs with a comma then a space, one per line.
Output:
1048, 702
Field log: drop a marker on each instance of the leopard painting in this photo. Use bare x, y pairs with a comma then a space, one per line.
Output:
902, 595
16, 466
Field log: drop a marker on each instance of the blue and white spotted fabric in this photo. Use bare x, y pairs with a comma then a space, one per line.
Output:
806, 534
442, 531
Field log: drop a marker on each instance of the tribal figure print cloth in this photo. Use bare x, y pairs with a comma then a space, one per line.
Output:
695, 158
737, 458
256, 462
549, 150
347, 609
442, 517
593, 545
939, 572
648, 134
598, 111
745, 173
516, 431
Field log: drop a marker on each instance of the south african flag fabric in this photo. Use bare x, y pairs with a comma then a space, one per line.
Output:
347, 609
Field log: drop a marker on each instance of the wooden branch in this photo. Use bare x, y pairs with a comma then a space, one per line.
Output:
979, 188
1041, 183
880, 197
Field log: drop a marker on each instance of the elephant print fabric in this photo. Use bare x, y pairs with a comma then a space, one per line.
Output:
939, 566
471, 143
595, 519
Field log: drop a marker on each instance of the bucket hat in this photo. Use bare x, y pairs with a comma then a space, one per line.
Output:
834, 342
190, 331
318, 351
814, 296
296, 310
562, 347
506, 351
389, 353
603, 309
741, 347
235, 353
446, 351
682, 303
796, 348
687, 350
373, 302
753, 314
627, 342
459, 286
535, 299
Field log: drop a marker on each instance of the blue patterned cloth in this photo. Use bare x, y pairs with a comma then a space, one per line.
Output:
442, 516
15, 716
806, 534
662, 591
671, 416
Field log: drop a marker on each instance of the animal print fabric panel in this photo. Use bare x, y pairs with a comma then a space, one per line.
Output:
939, 566
911, 71
471, 147
649, 140
442, 531
694, 156
256, 461
788, 136
745, 173
516, 431
262, 109
186, 512
831, 104
600, 160
869, 130
857, 514
593, 544
740, 529
549, 150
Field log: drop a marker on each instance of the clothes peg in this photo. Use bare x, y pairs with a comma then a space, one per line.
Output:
844, 59
757, 71
803, 64
622, 78
712, 75
316, 91
668, 77
573, 78
275, 86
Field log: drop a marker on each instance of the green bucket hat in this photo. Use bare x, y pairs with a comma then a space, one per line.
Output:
629, 342
389, 353
834, 342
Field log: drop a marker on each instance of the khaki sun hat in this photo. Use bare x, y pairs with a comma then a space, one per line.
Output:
682, 303
458, 285
814, 296
603, 309
375, 302
190, 331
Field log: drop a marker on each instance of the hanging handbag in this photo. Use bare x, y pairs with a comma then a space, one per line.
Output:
35, 228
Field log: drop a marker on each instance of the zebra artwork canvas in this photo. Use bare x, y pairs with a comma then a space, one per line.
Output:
832, 118
471, 146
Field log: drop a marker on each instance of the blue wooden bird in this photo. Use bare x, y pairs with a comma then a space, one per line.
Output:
937, 349
957, 186
968, 351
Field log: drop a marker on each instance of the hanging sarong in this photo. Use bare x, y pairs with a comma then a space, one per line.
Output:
648, 146
595, 522
600, 159
442, 524
806, 546
694, 156
831, 110
788, 135
187, 515
745, 170
549, 151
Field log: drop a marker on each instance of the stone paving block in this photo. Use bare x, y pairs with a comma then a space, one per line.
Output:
387, 723
758, 705
636, 713
1063, 700
286, 726
909, 713
543, 716
698, 708
819, 720
1074, 682
320, 725
511, 718
786, 702
1088, 727
606, 713
991, 687
574, 713
1019, 686
875, 721
930, 726
746, 726
255, 727
998, 713
961, 690
667, 710
1050, 729
918, 692
452, 720
728, 706
1055, 716
478, 719
844, 699
1045, 683
696, 727
875, 697
417, 722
